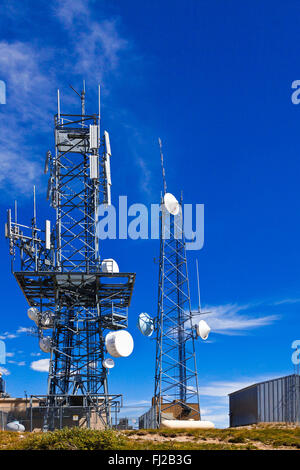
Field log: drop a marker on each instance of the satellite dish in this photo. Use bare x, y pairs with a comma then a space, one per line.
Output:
203, 329
108, 363
45, 344
47, 319
33, 314
15, 426
109, 266
119, 343
171, 204
145, 324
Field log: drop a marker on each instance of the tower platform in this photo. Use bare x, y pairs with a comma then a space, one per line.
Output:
88, 289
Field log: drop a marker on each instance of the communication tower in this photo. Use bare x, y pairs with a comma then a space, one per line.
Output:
74, 295
176, 390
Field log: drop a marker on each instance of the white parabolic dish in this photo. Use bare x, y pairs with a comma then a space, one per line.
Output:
203, 329
119, 343
45, 344
145, 324
33, 314
171, 204
108, 363
109, 266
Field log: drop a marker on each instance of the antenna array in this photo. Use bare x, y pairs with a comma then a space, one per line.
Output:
60, 272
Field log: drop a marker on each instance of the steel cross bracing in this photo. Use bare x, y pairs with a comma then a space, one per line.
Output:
176, 381
64, 274
74, 195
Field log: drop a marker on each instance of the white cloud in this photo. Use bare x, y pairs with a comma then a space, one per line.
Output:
68, 10
223, 388
23, 329
20, 330
35, 354
227, 319
287, 301
41, 366
21, 363
7, 335
97, 45
93, 49
28, 105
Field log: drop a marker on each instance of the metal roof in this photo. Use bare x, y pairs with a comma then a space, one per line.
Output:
260, 383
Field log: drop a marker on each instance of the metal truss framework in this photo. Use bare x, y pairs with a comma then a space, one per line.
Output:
176, 380
61, 270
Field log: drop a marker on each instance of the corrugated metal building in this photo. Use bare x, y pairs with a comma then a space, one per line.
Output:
273, 401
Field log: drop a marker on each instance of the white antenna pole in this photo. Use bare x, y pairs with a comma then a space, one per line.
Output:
58, 105
34, 206
99, 102
162, 166
16, 212
199, 302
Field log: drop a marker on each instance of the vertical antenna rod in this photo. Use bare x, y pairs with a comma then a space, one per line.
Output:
99, 103
162, 166
34, 206
199, 302
58, 105
16, 212
83, 100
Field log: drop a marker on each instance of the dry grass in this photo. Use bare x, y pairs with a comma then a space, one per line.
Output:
247, 438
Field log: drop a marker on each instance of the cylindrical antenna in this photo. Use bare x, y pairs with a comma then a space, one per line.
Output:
162, 166
58, 105
199, 301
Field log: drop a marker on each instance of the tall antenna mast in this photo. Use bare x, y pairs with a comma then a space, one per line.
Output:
162, 166
176, 391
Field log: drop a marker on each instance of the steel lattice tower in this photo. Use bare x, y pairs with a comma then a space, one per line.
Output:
176, 380
60, 270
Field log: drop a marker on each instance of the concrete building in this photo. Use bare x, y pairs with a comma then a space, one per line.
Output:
273, 401
30, 413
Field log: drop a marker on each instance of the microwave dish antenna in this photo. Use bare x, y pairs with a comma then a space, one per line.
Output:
145, 324
203, 329
119, 343
171, 204
108, 363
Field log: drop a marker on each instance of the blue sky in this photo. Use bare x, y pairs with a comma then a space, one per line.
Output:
213, 80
